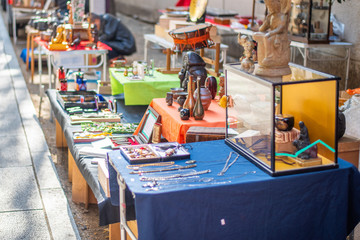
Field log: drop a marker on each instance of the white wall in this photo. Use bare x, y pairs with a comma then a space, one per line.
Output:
97, 6
243, 7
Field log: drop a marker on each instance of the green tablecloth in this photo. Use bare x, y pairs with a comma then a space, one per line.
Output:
141, 92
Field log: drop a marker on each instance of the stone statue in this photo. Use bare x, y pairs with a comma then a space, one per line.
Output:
273, 44
193, 65
247, 62
304, 141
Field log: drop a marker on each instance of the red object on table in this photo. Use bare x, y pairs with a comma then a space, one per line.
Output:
81, 46
211, 20
174, 129
184, 3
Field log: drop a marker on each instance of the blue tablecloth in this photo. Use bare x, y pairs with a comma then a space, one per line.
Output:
317, 205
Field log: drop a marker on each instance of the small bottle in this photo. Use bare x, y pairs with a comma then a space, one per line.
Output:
62, 78
152, 66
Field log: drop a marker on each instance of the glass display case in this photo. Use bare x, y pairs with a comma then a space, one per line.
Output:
310, 21
29, 3
284, 125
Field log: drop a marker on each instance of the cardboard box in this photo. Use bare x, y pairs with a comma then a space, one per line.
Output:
163, 33
343, 97
348, 149
164, 20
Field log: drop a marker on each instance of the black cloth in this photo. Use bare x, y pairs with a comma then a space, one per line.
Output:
108, 213
116, 35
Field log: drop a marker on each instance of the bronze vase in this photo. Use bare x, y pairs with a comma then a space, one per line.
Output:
190, 101
198, 108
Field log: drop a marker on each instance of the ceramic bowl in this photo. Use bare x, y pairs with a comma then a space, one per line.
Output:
176, 90
178, 94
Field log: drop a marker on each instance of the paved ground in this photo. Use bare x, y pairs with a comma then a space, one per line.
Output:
87, 220
32, 204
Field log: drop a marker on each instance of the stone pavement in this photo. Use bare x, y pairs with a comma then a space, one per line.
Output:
32, 202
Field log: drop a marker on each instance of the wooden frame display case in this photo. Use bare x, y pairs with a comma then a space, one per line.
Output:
284, 125
310, 21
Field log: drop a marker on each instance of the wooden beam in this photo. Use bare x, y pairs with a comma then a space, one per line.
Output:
60, 137
81, 193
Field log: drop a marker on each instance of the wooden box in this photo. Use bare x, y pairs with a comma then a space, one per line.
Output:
348, 149
201, 134
104, 88
103, 176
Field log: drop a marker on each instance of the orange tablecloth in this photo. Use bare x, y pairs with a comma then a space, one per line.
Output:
174, 129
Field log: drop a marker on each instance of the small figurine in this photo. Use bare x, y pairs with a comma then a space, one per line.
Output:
304, 141
222, 89
76, 41
80, 82
273, 42
59, 42
247, 62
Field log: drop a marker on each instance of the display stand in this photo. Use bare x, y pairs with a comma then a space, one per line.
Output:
216, 63
213, 62
168, 69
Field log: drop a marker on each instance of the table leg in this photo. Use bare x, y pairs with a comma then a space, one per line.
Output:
32, 58
124, 228
86, 61
348, 53
306, 54
146, 44
40, 66
27, 50
14, 25
104, 66
173, 59
49, 70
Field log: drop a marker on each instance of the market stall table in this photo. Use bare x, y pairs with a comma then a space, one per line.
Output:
174, 129
81, 49
245, 203
141, 92
83, 173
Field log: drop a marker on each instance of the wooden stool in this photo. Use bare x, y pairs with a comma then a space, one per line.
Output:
215, 63
31, 33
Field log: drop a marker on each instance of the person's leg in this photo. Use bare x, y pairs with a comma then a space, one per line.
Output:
113, 54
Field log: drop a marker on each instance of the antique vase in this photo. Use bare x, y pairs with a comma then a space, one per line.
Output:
198, 108
190, 101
